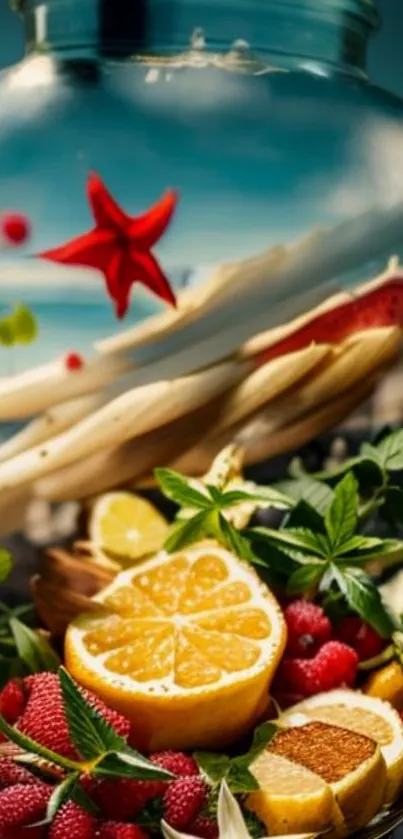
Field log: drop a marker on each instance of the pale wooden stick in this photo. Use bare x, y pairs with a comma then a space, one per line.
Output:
130, 415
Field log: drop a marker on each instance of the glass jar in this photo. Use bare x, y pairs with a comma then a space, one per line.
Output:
258, 112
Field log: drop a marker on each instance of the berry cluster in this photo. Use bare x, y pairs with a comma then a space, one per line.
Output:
320, 657
35, 706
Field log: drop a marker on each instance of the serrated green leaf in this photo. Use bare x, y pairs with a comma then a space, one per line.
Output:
214, 765
130, 764
342, 515
284, 539
27, 744
240, 779
60, 795
24, 325
235, 542
6, 333
187, 532
6, 564
361, 544
91, 734
390, 451
266, 495
34, 650
305, 578
316, 494
179, 489
263, 735
364, 598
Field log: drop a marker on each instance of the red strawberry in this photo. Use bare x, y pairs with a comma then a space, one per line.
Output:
72, 822
360, 636
204, 827
44, 717
183, 801
335, 665
12, 701
176, 762
118, 830
308, 628
122, 799
12, 774
23, 805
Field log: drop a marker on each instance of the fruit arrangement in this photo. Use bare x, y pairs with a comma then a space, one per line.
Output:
214, 677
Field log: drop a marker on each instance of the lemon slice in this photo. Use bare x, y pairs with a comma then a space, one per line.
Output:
188, 650
291, 799
126, 526
364, 714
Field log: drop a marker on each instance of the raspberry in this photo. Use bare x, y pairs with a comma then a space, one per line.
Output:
334, 666
12, 774
72, 822
123, 799
16, 228
183, 801
176, 762
12, 701
308, 628
360, 636
118, 830
74, 361
44, 717
23, 805
204, 827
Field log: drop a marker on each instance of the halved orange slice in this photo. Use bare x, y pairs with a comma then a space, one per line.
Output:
187, 647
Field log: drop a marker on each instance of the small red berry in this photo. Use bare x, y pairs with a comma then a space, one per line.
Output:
12, 701
72, 822
118, 830
23, 805
123, 798
74, 361
12, 774
308, 628
203, 827
183, 801
334, 666
16, 228
176, 762
360, 636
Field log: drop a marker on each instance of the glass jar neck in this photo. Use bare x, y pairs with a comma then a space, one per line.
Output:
333, 32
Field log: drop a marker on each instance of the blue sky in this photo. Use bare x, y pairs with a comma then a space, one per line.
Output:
386, 57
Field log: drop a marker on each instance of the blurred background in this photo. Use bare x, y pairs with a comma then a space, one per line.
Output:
386, 56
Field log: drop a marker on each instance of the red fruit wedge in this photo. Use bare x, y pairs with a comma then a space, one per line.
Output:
377, 304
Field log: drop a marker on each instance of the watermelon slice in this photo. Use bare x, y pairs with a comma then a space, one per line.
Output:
379, 303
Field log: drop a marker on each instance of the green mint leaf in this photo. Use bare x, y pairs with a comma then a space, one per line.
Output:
24, 325
187, 532
215, 766
306, 577
390, 451
60, 795
301, 541
361, 544
34, 650
215, 494
342, 515
27, 744
263, 735
317, 495
265, 495
236, 543
91, 734
313, 543
240, 780
364, 598
179, 489
6, 564
130, 764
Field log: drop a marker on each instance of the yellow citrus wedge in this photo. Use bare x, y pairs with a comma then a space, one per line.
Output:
387, 684
126, 526
186, 650
291, 799
364, 714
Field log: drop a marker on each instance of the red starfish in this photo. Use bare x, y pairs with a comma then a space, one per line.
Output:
120, 245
